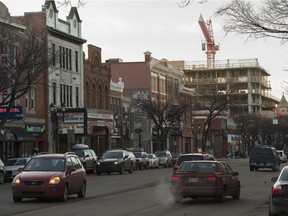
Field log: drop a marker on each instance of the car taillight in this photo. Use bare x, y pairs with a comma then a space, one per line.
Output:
175, 179
212, 178
277, 190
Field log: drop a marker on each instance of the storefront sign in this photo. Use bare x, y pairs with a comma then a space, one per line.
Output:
15, 112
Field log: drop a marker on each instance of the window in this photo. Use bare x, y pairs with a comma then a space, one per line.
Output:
32, 98
27, 100
76, 61
53, 55
54, 92
77, 96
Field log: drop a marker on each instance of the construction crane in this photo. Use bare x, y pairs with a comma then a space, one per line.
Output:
209, 46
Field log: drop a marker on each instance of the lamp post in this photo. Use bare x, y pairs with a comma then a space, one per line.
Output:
126, 130
116, 129
54, 122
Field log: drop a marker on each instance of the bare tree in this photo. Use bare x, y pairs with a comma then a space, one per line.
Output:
69, 3
25, 58
268, 19
215, 103
163, 114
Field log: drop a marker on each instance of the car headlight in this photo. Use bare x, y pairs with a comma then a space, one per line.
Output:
116, 162
16, 181
55, 180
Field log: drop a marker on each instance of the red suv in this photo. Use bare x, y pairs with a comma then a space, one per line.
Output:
53, 176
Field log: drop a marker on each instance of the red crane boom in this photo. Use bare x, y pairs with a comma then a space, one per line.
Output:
210, 47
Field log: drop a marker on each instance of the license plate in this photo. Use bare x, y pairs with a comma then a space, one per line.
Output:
193, 180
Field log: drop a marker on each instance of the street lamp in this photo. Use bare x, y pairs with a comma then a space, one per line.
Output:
126, 129
54, 122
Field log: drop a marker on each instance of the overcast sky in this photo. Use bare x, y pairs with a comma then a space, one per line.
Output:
126, 29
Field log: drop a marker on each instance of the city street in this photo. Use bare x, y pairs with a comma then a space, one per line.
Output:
146, 192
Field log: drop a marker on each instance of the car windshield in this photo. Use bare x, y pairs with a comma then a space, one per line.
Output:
150, 156
194, 166
15, 162
45, 164
284, 175
79, 152
160, 154
189, 158
108, 155
137, 154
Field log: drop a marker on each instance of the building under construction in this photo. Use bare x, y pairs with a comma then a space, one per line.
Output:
243, 83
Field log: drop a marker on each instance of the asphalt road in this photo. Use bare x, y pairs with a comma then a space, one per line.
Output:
146, 192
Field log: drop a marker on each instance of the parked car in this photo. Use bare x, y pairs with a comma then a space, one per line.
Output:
153, 161
12, 166
52, 176
87, 157
192, 157
2, 172
205, 179
165, 158
278, 202
285, 149
141, 160
133, 159
175, 156
264, 157
115, 161
282, 156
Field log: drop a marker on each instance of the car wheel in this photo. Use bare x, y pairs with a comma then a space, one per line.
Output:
65, 193
1, 177
177, 198
94, 169
82, 193
251, 168
131, 168
17, 199
221, 198
122, 169
236, 196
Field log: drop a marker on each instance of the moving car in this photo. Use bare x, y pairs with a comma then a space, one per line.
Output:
165, 158
2, 172
153, 161
264, 157
133, 159
12, 166
115, 161
51, 176
282, 156
278, 202
205, 179
192, 157
87, 157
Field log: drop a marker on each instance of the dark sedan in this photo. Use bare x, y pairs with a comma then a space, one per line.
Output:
205, 179
115, 161
278, 198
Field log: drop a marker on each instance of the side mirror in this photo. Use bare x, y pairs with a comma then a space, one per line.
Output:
20, 169
274, 179
70, 169
235, 173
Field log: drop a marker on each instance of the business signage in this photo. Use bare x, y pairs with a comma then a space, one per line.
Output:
35, 130
16, 112
72, 119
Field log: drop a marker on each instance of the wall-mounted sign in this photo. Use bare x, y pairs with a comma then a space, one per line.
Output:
71, 119
16, 112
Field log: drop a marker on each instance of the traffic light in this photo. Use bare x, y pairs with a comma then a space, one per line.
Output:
154, 134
